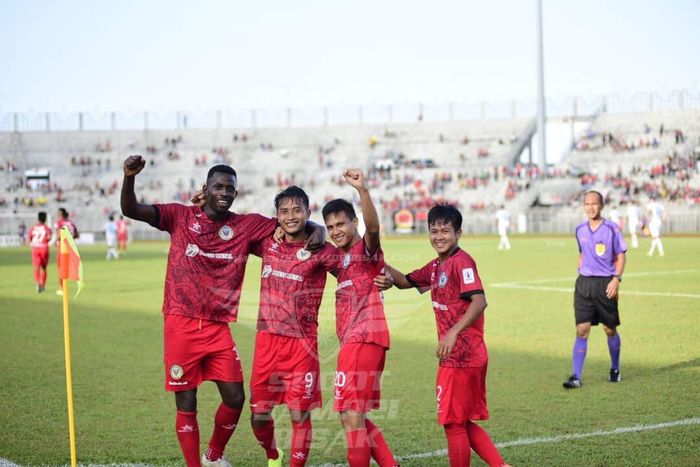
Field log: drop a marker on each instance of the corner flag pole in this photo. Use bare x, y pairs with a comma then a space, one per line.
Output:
64, 274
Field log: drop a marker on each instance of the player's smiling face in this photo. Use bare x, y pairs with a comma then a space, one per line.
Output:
220, 192
443, 237
341, 229
593, 206
292, 216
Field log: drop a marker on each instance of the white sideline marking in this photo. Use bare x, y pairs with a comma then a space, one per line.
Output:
573, 278
571, 290
552, 439
503, 444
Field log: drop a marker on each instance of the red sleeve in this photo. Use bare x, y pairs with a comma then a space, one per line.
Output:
168, 216
420, 278
258, 248
259, 227
469, 280
328, 257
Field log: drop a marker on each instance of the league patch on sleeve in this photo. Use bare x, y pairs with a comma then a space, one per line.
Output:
468, 275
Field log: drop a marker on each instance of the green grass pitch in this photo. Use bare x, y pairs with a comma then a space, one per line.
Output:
123, 414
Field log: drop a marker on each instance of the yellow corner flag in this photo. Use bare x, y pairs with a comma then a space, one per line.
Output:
69, 268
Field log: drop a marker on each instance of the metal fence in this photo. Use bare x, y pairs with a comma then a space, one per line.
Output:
344, 115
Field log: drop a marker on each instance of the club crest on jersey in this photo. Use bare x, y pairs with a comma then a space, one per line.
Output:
192, 250
267, 270
346, 261
442, 280
176, 372
196, 227
303, 254
600, 249
225, 233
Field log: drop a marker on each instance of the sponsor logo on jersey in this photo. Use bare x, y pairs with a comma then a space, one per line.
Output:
303, 254
440, 306
468, 275
267, 270
346, 261
193, 250
600, 249
344, 284
225, 233
442, 280
196, 227
176, 372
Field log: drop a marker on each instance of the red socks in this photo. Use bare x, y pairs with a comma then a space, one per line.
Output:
188, 436
458, 450
462, 437
483, 446
266, 438
301, 443
225, 422
358, 451
379, 449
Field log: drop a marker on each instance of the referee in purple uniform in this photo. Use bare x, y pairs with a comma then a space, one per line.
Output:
600, 265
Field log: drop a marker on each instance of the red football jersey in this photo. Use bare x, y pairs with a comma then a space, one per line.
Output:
121, 226
39, 236
451, 283
291, 286
207, 260
359, 307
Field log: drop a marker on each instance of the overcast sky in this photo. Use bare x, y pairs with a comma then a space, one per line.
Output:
198, 55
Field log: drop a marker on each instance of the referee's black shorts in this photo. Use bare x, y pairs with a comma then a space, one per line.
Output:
591, 305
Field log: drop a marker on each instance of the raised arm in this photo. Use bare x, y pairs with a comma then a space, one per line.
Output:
130, 205
356, 178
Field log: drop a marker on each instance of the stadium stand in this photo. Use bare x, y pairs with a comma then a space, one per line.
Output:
410, 165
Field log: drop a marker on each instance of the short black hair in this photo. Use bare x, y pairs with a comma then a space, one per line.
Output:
445, 214
292, 192
111, 217
63, 212
339, 205
221, 168
593, 192
41, 216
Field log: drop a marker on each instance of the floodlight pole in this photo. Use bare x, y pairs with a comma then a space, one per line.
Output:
541, 119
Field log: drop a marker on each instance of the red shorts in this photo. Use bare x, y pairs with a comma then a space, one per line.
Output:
285, 371
358, 377
461, 394
40, 257
122, 237
198, 350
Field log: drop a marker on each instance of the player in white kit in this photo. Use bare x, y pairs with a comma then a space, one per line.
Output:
503, 225
633, 219
657, 214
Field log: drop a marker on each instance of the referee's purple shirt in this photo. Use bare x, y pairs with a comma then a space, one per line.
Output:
599, 248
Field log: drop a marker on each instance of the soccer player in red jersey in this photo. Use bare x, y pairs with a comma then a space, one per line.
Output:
39, 237
61, 222
208, 252
122, 234
459, 302
360, 324
285, 364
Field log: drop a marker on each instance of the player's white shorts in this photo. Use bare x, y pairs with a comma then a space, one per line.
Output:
655, 228
632, 226
502, 231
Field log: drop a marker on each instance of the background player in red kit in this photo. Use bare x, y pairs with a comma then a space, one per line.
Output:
360, 324
61, 222
206, 264
39, 237
459, 302
285, 364
122, 234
